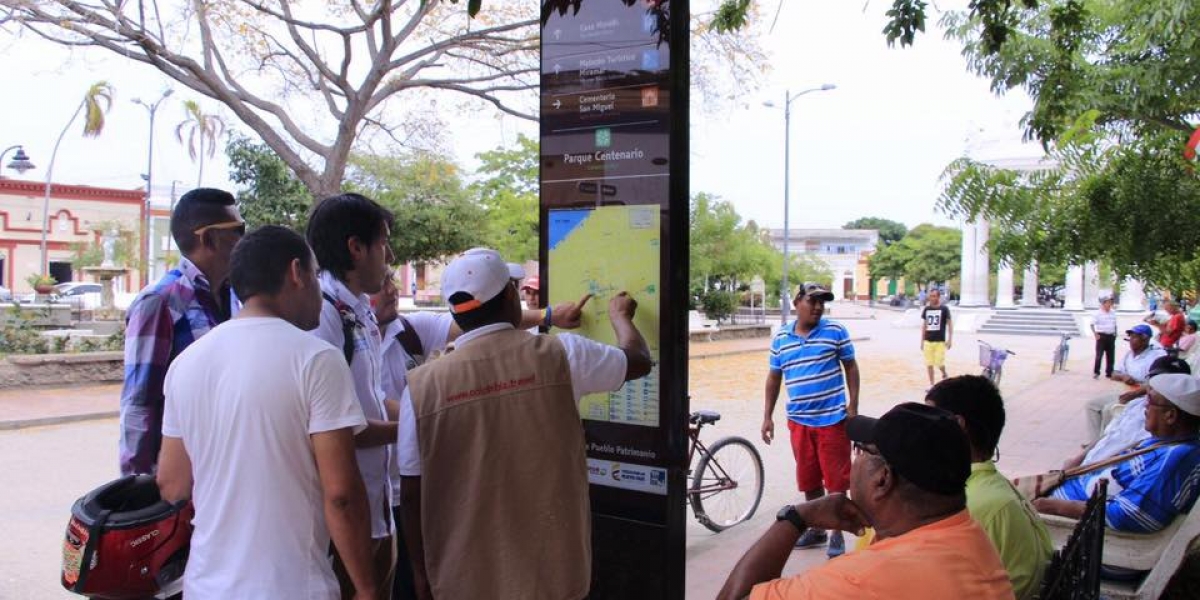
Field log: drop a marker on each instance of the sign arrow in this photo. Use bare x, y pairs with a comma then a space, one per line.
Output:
557, 103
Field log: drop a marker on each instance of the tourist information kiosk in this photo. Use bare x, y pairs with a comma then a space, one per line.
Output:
614, 217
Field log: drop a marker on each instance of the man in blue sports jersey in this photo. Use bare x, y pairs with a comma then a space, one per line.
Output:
815, 358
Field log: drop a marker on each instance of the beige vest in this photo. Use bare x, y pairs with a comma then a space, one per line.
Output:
504, 490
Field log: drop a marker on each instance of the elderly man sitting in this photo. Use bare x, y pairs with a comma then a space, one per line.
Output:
907, 481
1133, 371
1147, 491
1128, 426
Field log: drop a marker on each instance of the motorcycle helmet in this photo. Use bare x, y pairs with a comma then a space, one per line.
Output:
125, 542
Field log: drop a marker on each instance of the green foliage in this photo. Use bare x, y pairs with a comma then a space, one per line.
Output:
435, 217
732, 15
725, 253
96, 103
889, 231
906, 18
19, 334
268, 193
927, 253
991, 20
36, 279
126, 250
1133, 63
718, 304
1134, 207
508, 192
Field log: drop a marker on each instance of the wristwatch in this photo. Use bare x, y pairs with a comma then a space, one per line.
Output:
788, 513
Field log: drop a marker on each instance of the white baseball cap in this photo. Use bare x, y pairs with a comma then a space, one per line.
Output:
1180, 389
477, 276
516, 271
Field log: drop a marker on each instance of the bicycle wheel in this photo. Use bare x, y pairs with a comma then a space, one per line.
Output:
727, 485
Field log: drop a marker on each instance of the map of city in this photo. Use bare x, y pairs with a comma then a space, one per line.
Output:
605, 251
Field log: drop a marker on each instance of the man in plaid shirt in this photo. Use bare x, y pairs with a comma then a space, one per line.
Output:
168, 316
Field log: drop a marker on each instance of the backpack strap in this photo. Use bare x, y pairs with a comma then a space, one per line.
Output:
410, 341
348, 326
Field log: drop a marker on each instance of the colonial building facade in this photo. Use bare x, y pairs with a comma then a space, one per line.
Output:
76, 212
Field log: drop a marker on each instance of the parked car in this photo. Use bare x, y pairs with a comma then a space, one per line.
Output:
78, 294
6, 294
76, 288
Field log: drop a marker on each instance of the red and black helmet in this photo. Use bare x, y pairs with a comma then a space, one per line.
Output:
125, 542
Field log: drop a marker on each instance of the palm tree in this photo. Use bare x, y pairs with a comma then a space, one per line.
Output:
95, 105
201, 130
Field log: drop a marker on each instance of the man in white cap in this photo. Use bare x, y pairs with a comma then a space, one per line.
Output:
1148, 491
491, 449
408, 340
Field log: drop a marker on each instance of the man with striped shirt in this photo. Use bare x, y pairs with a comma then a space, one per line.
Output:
813, 356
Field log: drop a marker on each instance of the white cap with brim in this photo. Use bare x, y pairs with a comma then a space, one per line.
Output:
516, 271
477, 276
1179, 389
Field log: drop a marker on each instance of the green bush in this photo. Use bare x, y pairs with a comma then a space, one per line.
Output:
719, 304
18, 335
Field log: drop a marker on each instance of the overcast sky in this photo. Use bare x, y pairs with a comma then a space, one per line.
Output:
875, 146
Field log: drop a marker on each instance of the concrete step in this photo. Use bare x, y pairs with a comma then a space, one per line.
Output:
1028, 324
1004, 316
1027, 331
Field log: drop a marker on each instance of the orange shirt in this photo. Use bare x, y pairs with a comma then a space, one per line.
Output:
952, 558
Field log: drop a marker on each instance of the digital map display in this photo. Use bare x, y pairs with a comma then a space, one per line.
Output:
604, 251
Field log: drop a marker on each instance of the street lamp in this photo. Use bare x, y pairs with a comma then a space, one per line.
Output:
147, 245
20, 162
785, 290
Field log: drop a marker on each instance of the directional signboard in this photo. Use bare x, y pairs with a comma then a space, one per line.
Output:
614, 217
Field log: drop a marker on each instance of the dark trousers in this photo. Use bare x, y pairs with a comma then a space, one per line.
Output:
1106, 347
402, 586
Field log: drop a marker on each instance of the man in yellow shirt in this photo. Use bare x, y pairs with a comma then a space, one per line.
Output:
1009, 520
907, 481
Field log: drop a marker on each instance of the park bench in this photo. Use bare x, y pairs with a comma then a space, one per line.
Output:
1160, 554
700, 324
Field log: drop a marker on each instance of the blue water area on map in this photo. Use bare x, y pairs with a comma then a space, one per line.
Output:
563, 222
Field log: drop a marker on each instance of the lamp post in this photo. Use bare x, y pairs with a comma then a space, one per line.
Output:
20, 162
785, 290
147, 244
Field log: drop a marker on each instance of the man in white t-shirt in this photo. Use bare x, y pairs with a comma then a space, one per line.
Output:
258, 430
491, 449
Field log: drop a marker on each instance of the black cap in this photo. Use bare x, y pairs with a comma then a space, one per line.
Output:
810, 288
923, 444
1168, 364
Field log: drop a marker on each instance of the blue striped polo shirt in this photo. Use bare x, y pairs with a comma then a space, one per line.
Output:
812, 371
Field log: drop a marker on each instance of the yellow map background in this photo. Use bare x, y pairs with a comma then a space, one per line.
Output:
613, 249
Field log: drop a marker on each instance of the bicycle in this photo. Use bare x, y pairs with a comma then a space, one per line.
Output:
727, 482
1058, 362
992, 358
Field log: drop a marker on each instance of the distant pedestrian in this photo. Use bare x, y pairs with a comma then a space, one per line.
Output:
1104, 328
937, 335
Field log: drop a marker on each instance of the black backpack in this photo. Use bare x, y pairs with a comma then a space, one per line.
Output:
408, 338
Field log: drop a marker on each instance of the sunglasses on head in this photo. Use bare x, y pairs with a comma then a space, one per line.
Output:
237, 226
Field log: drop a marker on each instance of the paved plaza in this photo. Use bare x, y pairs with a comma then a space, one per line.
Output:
43, 469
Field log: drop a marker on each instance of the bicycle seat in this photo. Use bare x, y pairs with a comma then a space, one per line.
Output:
705, 417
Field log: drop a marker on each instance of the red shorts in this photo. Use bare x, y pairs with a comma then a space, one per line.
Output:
822, 456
